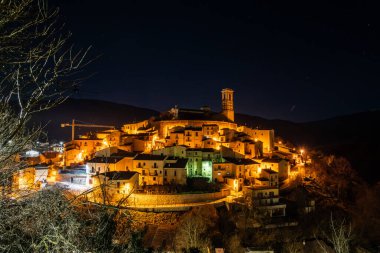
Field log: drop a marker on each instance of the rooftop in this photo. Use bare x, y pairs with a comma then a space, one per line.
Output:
240, 161
201, 149
123, 153
147, 157
262, 179
179, 164
119, 175
111, 160
272, 160
269, 171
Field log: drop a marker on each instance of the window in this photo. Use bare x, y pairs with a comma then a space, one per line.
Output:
118, 184
154, 178
166, 173
175, 173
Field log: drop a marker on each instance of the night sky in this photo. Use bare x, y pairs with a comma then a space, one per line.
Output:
303, 61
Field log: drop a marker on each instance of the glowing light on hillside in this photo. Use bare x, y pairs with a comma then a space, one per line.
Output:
236, 185
127, 188
79, 157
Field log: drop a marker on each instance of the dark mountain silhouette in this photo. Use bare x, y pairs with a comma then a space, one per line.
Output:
355, 136
91, 112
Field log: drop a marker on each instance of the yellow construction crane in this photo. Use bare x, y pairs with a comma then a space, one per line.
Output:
73, 125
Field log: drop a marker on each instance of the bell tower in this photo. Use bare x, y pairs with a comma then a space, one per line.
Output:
228, 104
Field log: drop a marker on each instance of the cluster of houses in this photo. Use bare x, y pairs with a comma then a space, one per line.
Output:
177, 145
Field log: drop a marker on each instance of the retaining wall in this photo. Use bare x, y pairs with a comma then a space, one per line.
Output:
174, 199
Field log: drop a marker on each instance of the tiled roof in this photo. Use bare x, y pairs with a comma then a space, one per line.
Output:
119, 175
272, 160
179, 164
123, 153
111, 160
150, 157
269, 171
240, 161
201, 149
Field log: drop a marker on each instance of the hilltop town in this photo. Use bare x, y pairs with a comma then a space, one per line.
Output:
182, 150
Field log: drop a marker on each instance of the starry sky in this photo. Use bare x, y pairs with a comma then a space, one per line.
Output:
299, 61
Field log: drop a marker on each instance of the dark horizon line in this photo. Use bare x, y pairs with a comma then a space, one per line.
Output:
266, 118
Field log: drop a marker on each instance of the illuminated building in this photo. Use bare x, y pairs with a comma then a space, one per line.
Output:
160, 169
279, 165
120, 161
118, 185
200, 161
150, 168
238, 169
267, 199
175, 170
228, 104
79, 150
135, 128
175, 151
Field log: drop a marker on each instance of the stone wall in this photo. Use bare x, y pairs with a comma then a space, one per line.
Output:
174, 199
165, 125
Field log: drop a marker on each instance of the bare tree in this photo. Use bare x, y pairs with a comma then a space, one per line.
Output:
195, 229
39, 69
340, 236
44, 222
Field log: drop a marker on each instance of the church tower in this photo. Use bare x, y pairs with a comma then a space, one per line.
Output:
228, 104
